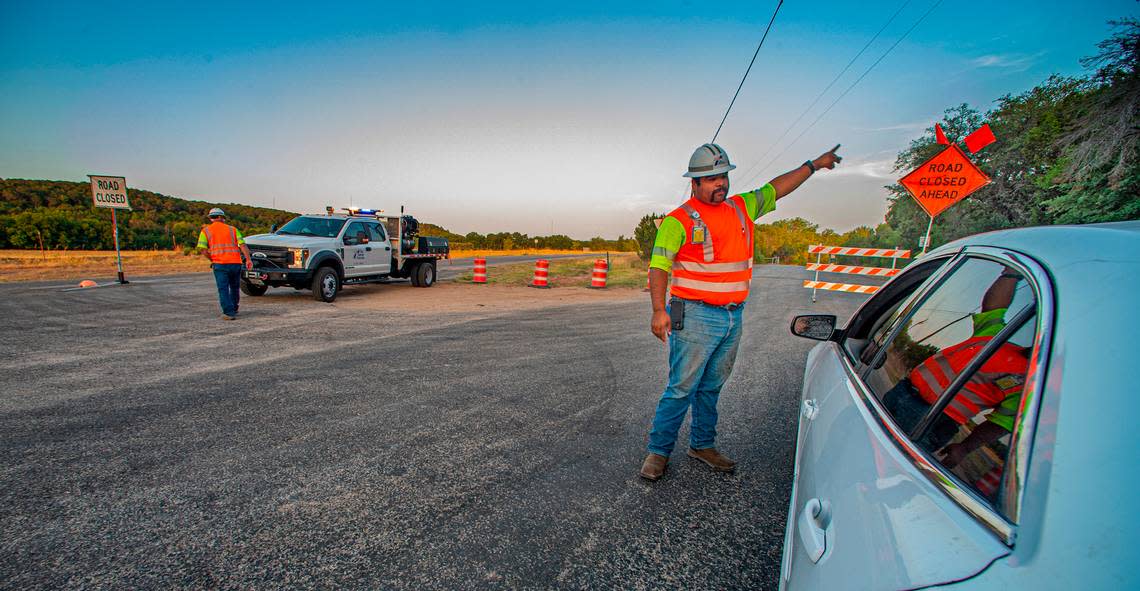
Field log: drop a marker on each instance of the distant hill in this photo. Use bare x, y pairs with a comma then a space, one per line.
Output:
59, 215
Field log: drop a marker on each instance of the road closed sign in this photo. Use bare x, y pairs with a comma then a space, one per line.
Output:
109, 191
944, 180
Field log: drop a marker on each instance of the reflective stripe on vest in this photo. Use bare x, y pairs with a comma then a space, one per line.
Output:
222, 243
717, 272
983, 390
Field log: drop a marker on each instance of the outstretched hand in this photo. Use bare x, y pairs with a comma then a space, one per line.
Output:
828, 159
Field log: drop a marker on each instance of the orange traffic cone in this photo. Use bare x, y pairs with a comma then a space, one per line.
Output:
601, 270
480, 275
541, 273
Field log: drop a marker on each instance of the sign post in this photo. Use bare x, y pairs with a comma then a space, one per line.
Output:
942, 181
111, 192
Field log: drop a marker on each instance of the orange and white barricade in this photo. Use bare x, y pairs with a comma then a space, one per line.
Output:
820, 267
541, 274
480, 275
601, 270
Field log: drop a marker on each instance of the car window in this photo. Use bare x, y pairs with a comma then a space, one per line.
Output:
946, 331
980, 418
309, 226
870, 339
355, 233
375, 233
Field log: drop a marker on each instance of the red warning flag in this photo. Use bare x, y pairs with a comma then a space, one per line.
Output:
981, 138
940, 136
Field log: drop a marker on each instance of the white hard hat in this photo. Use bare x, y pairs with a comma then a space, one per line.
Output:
216, 213
708, 160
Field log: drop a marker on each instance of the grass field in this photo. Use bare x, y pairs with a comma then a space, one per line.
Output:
626, 270
33, 265
76, 265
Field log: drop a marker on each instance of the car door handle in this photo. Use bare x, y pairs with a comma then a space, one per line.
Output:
809, 409
816, 534
368, 248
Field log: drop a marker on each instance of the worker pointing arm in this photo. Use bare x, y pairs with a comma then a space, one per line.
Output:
713, 189
706, 244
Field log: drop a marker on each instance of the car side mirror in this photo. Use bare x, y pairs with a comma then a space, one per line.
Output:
818, 327
273, 229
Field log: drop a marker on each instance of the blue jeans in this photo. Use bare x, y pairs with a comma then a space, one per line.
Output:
228, 278
701, 356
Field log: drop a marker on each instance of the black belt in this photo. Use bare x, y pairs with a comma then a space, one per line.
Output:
729, 307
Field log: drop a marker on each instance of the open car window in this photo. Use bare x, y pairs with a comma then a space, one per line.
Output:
953, 372
871, 326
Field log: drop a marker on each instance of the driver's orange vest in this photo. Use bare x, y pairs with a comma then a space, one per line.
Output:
1002, 375
714, 264
223, 243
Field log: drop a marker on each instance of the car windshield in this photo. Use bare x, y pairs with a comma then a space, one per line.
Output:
307, 226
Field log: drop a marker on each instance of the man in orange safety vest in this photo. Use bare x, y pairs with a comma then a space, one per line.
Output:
224, 245
706, 244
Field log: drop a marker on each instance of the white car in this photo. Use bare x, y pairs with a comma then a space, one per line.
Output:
971, 426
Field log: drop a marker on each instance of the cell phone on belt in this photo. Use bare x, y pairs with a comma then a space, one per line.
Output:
677, 314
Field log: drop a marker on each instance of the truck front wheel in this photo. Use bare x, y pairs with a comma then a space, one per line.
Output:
250, 289
326, 284
425, 275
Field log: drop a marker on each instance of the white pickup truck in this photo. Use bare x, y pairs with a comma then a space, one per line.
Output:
323, 252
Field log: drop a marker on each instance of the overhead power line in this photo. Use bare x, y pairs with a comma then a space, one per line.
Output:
745, 77
849, 88
819, 96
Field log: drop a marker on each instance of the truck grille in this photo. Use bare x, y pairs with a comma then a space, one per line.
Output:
271, 256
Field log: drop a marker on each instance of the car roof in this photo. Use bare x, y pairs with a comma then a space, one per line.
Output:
1064, 244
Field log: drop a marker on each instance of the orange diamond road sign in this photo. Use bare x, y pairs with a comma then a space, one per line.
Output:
944, 180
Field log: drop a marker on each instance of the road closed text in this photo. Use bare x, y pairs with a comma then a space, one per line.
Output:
110, 192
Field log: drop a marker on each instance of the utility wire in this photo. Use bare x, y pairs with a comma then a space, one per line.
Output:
853, 85
827, 88
685, 191
745, 77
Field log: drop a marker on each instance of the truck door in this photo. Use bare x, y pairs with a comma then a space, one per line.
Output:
357, 250
380, 257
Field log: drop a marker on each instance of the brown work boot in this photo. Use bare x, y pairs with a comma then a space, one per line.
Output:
713, 458
653, 467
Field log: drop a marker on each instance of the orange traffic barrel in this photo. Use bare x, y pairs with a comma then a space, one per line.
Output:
541, 274
480, 275
601, 270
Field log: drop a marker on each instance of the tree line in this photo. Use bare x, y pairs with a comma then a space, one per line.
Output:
1067, 152
58, 215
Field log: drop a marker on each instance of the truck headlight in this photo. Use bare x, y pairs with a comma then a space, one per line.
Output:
300, 257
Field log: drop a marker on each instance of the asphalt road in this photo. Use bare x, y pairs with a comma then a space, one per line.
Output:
146, 444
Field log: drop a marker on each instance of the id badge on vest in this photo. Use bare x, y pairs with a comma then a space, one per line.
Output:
699, 232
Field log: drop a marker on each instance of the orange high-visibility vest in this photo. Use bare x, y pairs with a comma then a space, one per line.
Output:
714, 265
1002, 375
223, 243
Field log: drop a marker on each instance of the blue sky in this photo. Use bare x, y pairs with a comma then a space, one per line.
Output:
532, 117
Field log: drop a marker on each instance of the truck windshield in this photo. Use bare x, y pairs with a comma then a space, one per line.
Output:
306, 226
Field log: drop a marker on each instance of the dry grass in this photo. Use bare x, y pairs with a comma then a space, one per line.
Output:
626, 270
69, 265
33, 265
462, 254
